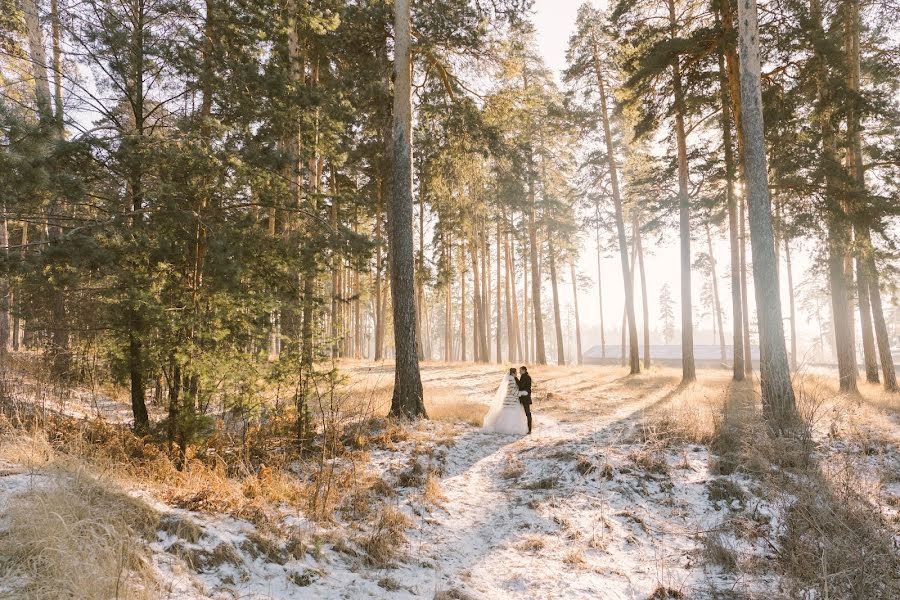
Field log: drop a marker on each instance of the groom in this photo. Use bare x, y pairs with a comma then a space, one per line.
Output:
524, 382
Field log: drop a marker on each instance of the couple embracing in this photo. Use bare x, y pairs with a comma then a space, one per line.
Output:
510, 411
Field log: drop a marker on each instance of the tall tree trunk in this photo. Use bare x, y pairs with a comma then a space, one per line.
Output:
560, 350
407, 400
865, 322
633, 353
462, 299
717, 306
540, 355
478, 341
420, 275
793, 312
579, 357
866, 269
515, 344
742, 349
528, 351
688, 371
775, 377
497, 307
486, 294
5, 320
379, 270
881, 333
59, 117
837, 223
38, 59
737, 340
639, 249
600, 295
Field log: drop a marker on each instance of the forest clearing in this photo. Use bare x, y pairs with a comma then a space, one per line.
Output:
630, 487
449, 299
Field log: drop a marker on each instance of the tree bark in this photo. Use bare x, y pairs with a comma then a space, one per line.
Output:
497, 308
627, 279
379, 269
737, 340
639, 249
775, 379
793, 312
688, 370
540, 355
579, 356
407, 400
837, 222
600, 294
462, 300
717, 306
560, 350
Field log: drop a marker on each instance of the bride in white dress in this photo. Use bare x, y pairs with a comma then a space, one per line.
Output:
506, 414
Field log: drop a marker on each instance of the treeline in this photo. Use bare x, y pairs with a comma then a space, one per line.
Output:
197, 197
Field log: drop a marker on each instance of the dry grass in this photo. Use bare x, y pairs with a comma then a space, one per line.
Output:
456, 411
78, 538
431, 492
574, 558
833, 541
513, 468
531, 543
385, 542
28, 449
691, 415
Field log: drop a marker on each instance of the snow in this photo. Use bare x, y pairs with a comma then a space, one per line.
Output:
571, 511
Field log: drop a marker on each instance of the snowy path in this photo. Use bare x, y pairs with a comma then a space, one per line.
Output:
508, 534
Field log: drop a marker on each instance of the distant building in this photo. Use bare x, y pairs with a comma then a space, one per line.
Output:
705, 355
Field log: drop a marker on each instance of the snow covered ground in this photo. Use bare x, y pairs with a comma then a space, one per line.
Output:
585, 507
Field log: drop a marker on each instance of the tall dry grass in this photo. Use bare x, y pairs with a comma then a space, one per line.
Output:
77, 537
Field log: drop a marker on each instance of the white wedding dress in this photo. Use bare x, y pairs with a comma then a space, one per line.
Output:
506, 414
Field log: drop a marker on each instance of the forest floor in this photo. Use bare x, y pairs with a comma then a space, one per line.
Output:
629, 487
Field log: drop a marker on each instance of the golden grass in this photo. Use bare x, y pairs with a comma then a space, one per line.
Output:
29, 449
386, 540
78, 538
432, 493
532, 543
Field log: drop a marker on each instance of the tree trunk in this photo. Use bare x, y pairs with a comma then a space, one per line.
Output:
717, 306
5, 320
866, 268
540, 355
527, 346
737, 340
639, 249
560, 350
734, 85
634, 356
462, 300
793, 312
837, 222
884, 342
407, 400
512, 304
775, 377
579, 356
497, 307
865, 322
688, 371
600, 295
379, 269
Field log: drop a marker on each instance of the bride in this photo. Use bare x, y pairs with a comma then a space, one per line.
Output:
506, 414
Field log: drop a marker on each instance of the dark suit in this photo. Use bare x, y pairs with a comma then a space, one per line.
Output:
525, 386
